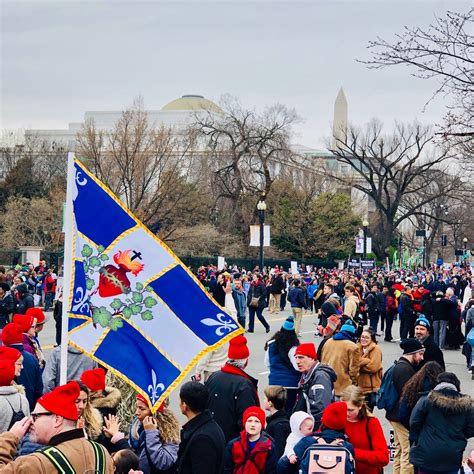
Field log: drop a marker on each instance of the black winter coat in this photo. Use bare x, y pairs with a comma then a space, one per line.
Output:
230, 396
258, 292
442, 308
25, 303
278, 427
403, 372
432, 352
7, 305
202, 446
277, 285
440, 425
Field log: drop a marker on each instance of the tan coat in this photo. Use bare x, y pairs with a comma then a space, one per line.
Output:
78, 451
343, 356
370, 377
351, 306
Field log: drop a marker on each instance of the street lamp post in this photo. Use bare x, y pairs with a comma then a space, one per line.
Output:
261, 207
365, 224
464, 243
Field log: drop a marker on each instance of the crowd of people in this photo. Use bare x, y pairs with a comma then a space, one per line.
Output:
319, 412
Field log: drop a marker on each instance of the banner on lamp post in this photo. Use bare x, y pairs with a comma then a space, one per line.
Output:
360, 245
255, 236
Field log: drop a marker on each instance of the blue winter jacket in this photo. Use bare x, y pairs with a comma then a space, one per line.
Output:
296, 298
281, 373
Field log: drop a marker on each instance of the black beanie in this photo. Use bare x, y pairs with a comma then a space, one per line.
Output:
411, 346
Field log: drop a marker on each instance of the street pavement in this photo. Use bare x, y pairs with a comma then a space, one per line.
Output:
455, 361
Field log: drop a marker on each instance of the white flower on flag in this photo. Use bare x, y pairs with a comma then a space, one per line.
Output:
156, 389
224, 323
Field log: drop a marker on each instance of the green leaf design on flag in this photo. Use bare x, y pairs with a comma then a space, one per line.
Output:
149, 302
89, 283
104, 257
86, 251
86, 267
137, 297
115, 323
147, 315
127, 312
139, 286
136, 309
94, 262
101, 316
116, 304
100, 248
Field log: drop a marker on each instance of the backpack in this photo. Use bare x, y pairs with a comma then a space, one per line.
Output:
387, 395
16, 416
323, 457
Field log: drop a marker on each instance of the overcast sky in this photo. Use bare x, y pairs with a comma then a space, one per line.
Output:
62, 58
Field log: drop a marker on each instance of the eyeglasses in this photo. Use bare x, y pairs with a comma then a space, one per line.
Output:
35, 416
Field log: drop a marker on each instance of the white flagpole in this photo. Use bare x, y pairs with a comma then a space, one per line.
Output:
67, 266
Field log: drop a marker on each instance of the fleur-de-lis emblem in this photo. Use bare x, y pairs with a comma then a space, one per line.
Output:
80, 302
224, 323
79, 180
155, 389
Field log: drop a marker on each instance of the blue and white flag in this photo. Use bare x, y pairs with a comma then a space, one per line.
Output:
134, 307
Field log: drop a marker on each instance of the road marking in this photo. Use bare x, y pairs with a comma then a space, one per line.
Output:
264, 373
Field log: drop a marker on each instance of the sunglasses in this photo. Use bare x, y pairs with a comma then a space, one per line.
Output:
35, 416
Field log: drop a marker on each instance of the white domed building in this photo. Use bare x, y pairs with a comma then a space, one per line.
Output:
178, 114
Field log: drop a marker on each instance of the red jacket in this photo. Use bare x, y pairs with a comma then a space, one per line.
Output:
261, 459
370, 446
417, 294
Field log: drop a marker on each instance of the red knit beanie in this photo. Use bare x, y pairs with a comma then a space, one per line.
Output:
160, 408
335, 416
9, 353
7, 372
62, 400
238, 348
12, 334
36, 313
307, 349
24, 321
94, 379
254, 411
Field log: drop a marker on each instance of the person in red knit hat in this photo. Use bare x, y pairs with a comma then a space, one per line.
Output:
29, 375
12, 399
313, 449
316, 386
106, 399
365, 433
232, 390
53, 423
28, 326
253, 451
40, 317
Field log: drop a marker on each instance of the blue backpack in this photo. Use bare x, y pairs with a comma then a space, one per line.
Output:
387, 395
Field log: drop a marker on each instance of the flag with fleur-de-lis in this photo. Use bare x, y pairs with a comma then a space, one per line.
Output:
134, 306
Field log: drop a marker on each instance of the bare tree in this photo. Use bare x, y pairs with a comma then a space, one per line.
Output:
243, 145
391, 171
442, 51
147, 167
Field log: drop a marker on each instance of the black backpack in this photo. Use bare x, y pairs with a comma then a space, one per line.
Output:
17, 415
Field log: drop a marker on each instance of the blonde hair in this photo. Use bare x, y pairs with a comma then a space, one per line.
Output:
93, 421
355, 396
168, 425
